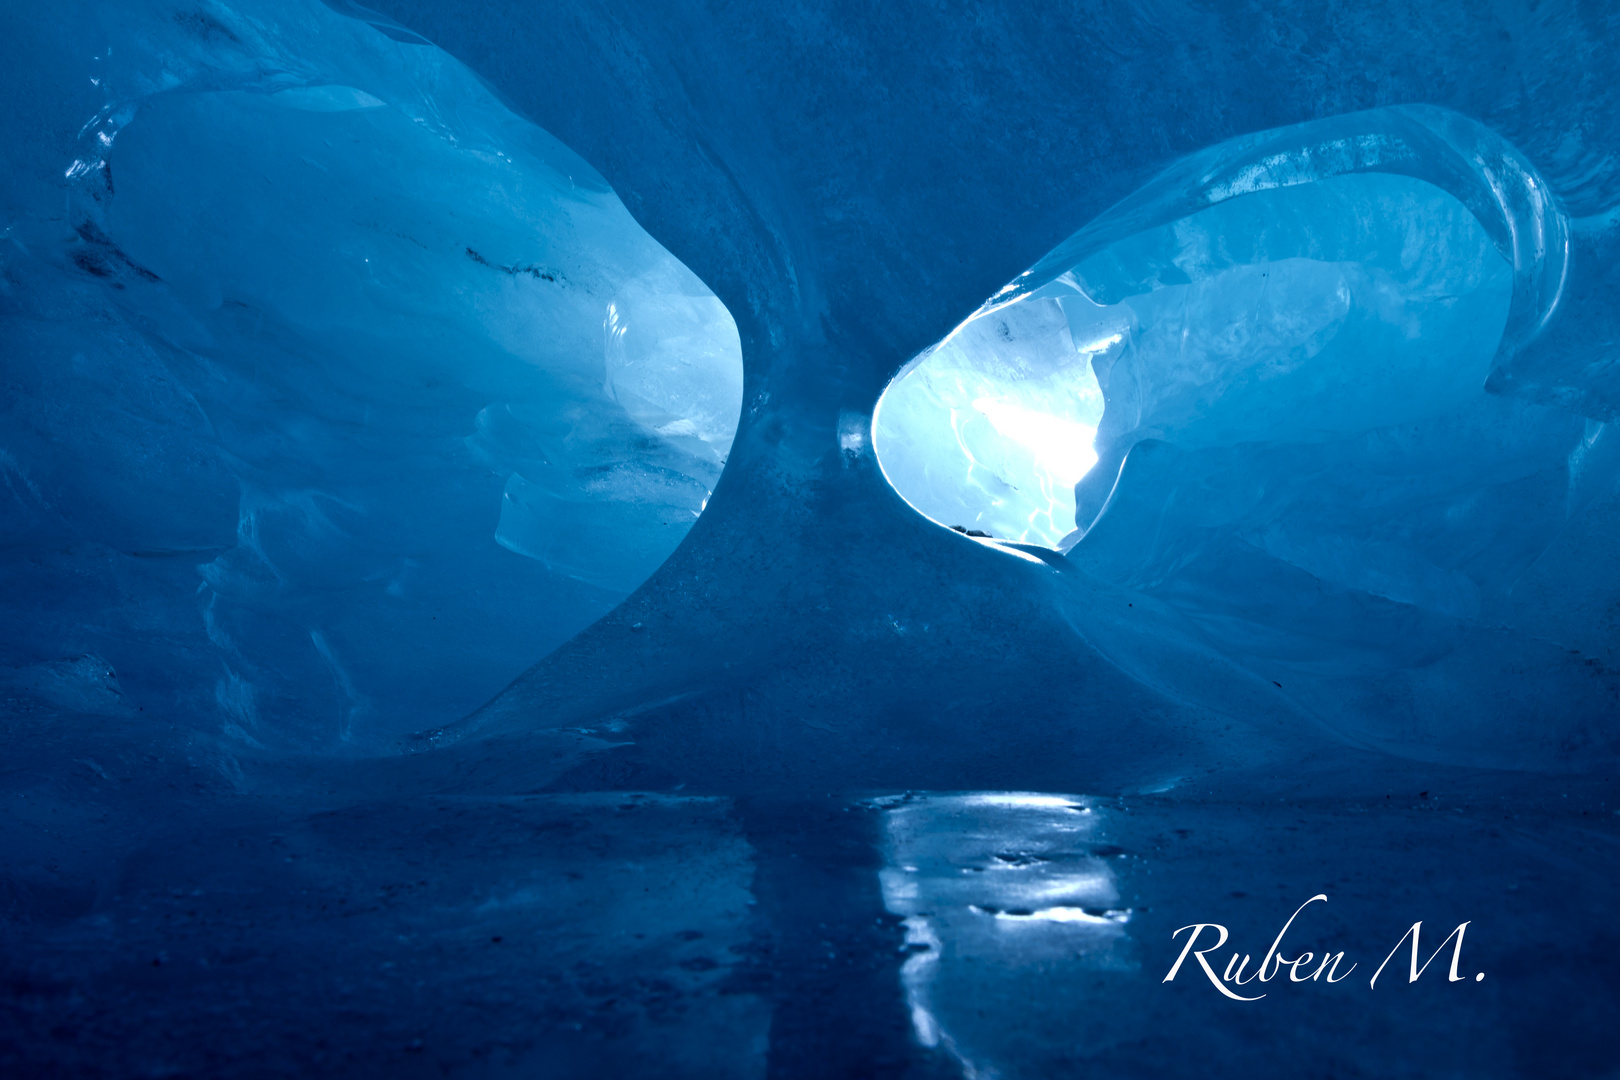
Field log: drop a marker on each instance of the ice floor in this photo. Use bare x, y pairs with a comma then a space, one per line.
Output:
682, 540
629, 933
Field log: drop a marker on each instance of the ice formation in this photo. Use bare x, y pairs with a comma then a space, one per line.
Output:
1309, 443
375, 702
1312, 284
320, 325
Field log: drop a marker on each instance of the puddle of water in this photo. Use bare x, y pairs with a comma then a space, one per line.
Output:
1008, 900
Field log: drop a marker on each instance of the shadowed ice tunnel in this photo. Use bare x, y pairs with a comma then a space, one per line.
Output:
467, 612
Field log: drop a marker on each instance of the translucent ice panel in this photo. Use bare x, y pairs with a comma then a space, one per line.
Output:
1301, 312
1295, 313
991, 430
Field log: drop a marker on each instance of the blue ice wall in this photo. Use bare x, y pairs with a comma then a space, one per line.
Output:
1311, 442
1311, 446
338, 393
1355, 505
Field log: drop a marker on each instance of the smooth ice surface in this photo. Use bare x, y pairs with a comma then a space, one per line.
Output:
321, 338
999, 891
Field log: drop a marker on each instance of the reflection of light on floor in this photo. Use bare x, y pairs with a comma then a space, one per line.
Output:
999, 891
923, 944
1020, 800
1063, 914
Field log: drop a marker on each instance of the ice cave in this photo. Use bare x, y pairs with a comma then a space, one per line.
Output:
665, 539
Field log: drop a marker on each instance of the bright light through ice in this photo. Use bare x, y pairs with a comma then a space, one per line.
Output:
991, 430
1062, 447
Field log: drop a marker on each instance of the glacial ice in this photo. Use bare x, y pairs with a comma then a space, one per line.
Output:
1304, 380
1305, 443
336, 395
1310, 308
992, 429
327, 330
